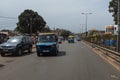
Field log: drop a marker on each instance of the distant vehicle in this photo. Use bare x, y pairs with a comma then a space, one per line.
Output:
71, 39
78, 39
59, 40
47, 44
16, 45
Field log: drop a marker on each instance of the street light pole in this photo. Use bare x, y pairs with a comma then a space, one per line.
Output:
82, 25
118, 36
31, 26
86, 17
82, 30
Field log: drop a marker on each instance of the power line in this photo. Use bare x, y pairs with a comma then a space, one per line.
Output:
7, 17
7, 20
7, 23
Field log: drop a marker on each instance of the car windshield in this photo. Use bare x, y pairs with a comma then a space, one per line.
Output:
14, 40
46, 38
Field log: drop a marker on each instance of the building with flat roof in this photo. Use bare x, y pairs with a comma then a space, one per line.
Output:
111, 29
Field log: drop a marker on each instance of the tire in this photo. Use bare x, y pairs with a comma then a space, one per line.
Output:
30, 50
19, 53
56, 52
38, 54
3, 54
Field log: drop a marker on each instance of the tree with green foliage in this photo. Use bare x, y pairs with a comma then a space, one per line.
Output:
30, 21
113, 8
46, 29
65, 33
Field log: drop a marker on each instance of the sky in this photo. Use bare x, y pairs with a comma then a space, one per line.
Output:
64, 14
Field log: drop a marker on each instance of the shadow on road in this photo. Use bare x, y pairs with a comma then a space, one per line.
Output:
13, 55
1, 65
61, 53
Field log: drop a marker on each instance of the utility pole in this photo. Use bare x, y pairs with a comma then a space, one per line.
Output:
86, 17
54, 30
31, 26
82, 30
82, 25
118, 36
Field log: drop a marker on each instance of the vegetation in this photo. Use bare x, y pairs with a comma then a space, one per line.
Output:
30, 20
65, 33
113, 8
46, 29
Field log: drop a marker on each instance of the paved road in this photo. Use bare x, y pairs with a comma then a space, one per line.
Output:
74, 62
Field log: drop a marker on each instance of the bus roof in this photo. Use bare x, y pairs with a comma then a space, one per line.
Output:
71, 36
46, 33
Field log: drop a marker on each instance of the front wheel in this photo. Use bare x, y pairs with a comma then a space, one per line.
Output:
56, 52
30, 49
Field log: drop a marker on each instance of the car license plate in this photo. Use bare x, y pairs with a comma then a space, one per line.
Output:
46, 51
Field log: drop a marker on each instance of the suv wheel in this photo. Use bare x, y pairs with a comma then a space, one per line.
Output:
30, 49
3, 54
19, 52
56, 53
38, 54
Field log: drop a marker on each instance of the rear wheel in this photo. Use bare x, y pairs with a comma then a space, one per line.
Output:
19, 52
30, 49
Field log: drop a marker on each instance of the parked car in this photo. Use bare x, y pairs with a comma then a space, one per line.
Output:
16, 45
47, 44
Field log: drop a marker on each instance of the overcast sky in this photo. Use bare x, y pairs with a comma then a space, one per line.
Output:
64, 14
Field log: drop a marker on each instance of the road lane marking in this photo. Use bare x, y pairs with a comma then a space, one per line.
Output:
43, 61
82, 47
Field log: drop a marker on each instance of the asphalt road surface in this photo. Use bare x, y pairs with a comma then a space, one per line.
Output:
75, 62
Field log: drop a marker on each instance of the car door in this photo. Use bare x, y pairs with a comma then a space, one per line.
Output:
27, 42
24, 43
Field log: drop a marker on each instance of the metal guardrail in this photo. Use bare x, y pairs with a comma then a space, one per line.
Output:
111, 51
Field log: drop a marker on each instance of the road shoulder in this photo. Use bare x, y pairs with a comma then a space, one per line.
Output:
110, 60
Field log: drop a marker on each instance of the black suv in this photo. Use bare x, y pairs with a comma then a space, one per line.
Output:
16, 45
